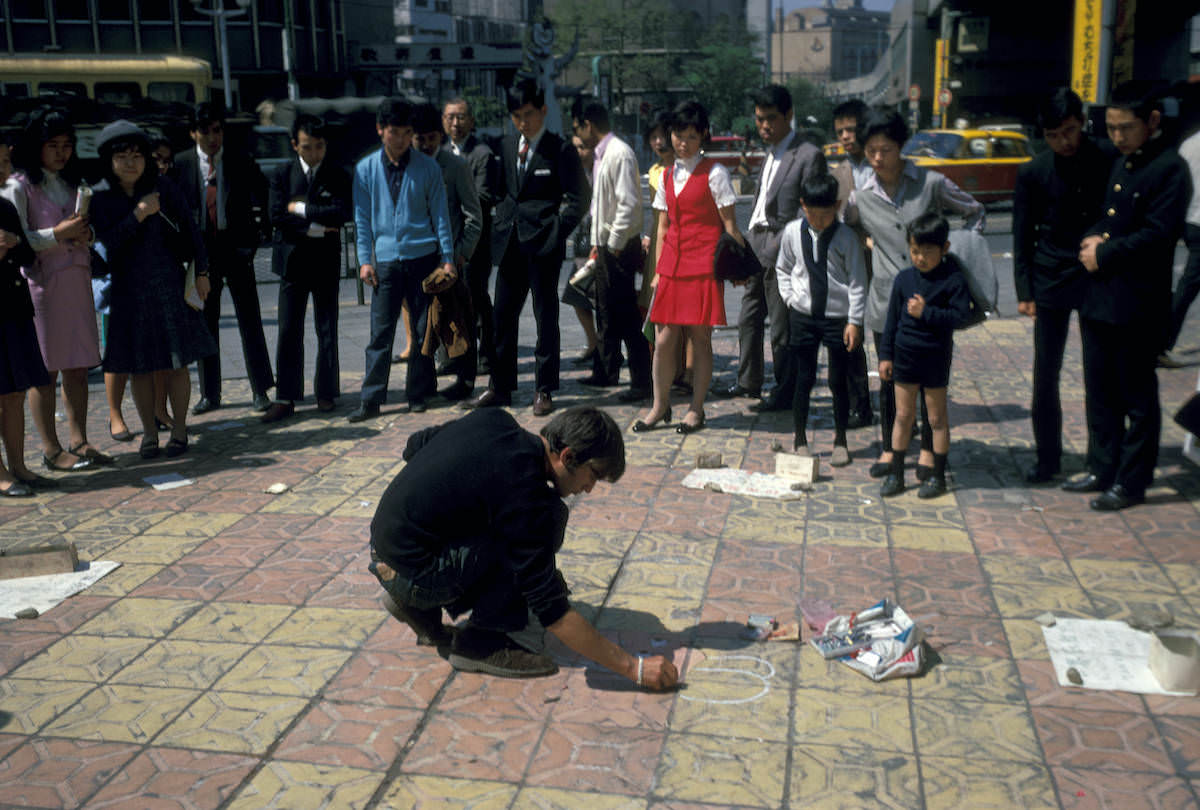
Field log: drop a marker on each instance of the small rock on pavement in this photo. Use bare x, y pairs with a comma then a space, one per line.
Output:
1074, 677
1150, 619
1046, 620
709, 461
27, 613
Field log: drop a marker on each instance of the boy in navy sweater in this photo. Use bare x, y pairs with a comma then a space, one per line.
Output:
929, 300
822, 277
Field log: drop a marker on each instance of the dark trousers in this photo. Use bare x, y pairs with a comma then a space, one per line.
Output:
617, 318
857, 383
1049, 342
762, 306
1123, 414
807, 335
1188, 287
522, 274
479, 272
887, 411
234, 268
399, 283
459, 579
466, 365
294, 291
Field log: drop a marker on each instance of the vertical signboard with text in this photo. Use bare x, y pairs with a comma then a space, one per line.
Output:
1085, 53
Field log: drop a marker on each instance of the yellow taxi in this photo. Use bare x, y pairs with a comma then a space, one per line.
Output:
983, 162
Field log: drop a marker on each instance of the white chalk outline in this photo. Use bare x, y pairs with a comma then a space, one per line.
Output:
762, 692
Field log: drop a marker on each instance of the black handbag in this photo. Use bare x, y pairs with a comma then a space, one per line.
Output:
734, 262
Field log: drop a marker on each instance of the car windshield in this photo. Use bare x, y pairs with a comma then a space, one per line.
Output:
932, 144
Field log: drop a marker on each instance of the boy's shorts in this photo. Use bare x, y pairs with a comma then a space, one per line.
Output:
928, 368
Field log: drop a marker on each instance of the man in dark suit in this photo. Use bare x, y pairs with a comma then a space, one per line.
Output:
484, 165
789, 162
544, 198
1056, 199
229, 198
310, 201
1126, 309
462, 203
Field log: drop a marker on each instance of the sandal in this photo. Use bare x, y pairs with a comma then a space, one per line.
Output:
149, 449
176, 447
51, 462
93, 455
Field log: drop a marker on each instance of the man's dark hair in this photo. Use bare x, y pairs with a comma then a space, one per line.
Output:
159, 141
929, 229
526, 91
854, 108
886, 122
1060, 105
27, 153
205, 113
426, 118
690, 114
819, 191
773, 95
593, 437
394, 112
456, 100
659, 119
311, 125
1139, 97
590, 109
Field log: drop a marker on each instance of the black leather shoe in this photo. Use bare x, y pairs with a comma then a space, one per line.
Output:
1089, 483
205, 405
456, 392
642, 427
417, 406
490, 399
686, 428
278, 412
860, 420
770, 402
880, 469
364, 411
932, 487
735, 390
1116, 498
1037, 474
892, 485
261, 403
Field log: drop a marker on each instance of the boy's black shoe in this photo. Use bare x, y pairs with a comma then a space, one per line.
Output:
879, 469
1116, 498
477, 650
1089, 483
932, 487
427, 624
892, 485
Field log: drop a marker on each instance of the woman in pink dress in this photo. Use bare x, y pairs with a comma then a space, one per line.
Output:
60, 283
694, 204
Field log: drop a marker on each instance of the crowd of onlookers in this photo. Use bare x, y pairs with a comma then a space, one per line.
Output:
826, 256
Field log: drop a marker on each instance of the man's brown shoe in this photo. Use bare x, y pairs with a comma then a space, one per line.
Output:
427, 624
278, 412
476, 650
542, 404
325, 405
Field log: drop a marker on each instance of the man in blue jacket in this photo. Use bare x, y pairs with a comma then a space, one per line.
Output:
403, 235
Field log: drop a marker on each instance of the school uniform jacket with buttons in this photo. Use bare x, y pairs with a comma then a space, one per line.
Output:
544, 206
1142, 218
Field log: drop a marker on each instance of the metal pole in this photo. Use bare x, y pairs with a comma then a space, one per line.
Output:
225, 60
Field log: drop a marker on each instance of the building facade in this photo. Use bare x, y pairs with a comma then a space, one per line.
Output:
832, 42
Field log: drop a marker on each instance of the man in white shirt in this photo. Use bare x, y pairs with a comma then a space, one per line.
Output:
789, 162
617, 250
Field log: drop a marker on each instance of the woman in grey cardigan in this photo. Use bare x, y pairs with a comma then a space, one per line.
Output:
898, 192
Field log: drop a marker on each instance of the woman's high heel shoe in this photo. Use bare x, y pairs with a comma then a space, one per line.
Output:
641, 427
684, 428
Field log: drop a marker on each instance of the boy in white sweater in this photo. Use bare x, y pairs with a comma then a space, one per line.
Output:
822, 278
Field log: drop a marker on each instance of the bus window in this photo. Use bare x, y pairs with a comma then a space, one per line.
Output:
75, 89
118, 92
171, 91
15, 89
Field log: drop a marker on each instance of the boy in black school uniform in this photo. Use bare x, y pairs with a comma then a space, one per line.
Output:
822, 277
929, 301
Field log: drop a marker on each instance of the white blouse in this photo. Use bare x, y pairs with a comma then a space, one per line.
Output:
59, 193
718, 182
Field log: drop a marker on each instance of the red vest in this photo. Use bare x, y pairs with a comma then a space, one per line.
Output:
693, 226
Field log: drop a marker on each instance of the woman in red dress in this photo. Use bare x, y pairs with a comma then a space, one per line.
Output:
694, 204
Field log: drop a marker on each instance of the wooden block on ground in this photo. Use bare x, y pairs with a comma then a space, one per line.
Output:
58, 558
801, 469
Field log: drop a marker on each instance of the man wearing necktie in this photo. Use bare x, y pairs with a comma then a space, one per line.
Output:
230, 195
789, 162
310, 202
544, 198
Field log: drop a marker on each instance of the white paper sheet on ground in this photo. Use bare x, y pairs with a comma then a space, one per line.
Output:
168, 481
1108, 655
46, 591
740, 482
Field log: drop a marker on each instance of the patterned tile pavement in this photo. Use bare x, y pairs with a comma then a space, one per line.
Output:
239, 657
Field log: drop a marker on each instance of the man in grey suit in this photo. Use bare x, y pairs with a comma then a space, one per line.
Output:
789, 162
466, 225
